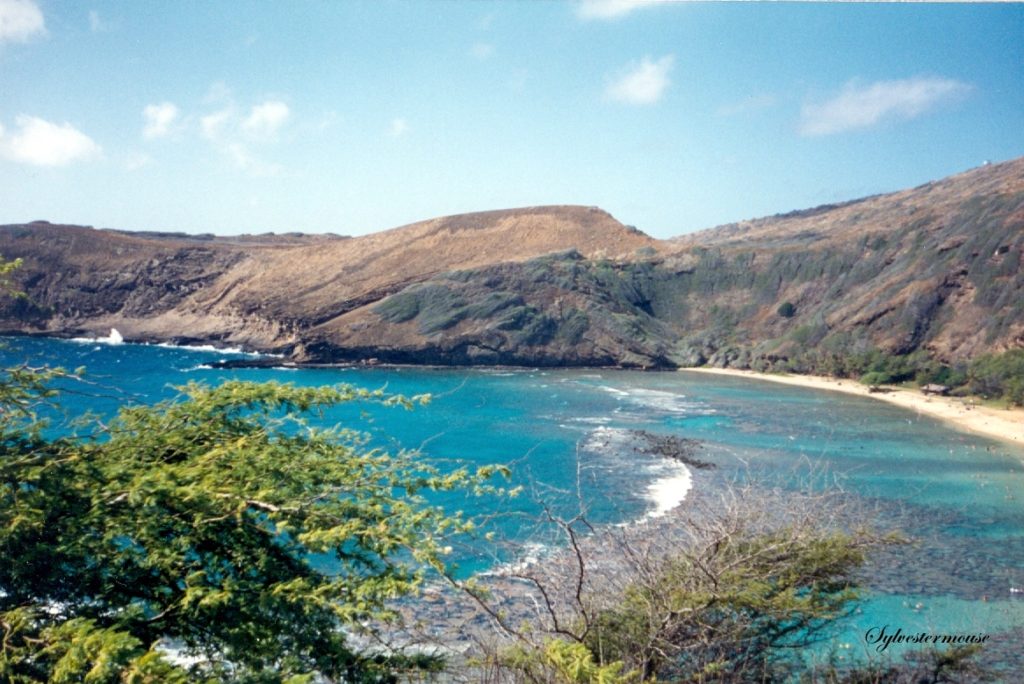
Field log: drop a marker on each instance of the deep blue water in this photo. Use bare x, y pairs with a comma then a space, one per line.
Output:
961, 495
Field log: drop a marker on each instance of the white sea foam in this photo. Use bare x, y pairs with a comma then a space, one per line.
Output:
113, 338
669, 491
530, 554
212, 349
659, 400
605, 440
591, 420
116, 338
672, 480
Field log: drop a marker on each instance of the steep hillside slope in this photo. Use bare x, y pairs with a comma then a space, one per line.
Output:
937, 267
933, 270
261, 292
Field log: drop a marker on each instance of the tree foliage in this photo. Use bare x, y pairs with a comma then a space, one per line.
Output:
999, 375
220, 524
737, 608
736, 599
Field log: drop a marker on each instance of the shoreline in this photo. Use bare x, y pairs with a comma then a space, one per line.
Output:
1006, 425
1003, 424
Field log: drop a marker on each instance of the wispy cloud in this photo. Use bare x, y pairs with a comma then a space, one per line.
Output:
20, 21
249, 162
135, 161
860, 106
213, 125
239, 137
160, 120
610, 9
96, 25
266, 119
218, 93
643, 83
753, 103
40, 143
329, 119
518, 80
398, 127
481, 51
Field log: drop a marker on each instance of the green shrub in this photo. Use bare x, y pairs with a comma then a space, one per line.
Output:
193, 522
875, 378
399, 308
999, 376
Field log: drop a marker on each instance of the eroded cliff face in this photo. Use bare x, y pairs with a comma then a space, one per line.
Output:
935, 269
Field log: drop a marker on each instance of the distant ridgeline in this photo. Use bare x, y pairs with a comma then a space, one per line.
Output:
914, 284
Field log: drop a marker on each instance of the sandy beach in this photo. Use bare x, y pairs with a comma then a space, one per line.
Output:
1004, 424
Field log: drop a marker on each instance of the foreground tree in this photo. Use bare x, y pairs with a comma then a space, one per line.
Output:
735, 594
219, 525
748, 588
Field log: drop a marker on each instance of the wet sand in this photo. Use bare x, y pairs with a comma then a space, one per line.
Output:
1004, 424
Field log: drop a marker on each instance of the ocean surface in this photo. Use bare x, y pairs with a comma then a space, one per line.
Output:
570, 437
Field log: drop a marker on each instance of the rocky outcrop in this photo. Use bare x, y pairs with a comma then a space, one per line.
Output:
934, 269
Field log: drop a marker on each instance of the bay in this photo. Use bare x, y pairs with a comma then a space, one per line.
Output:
569, 437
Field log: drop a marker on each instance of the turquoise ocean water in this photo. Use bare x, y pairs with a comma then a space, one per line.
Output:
960, 496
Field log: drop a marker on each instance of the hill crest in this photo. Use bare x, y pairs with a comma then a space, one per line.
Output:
933, 270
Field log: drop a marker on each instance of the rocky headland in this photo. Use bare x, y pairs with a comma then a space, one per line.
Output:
934, 269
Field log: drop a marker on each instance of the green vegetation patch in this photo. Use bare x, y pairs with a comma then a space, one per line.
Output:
399, 308
192, 522
574, 325
492, 303
999, 376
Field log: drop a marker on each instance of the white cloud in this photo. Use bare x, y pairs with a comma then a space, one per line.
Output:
41, 143
136, 161
481, 51
863, 106
752, 103
265, 119
250, 163
224, 131
239, 137
218, 93
20, 20
160, 119
95, 23
643, 83
398, 128
610, 9
212, 125
328, 119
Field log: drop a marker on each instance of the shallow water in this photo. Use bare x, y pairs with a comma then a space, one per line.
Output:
566, 435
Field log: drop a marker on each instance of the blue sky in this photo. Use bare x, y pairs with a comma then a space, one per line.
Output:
353, 117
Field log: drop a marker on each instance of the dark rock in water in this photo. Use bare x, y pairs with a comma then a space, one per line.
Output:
670, 446
260, 362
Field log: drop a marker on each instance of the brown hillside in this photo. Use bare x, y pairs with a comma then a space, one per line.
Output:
324, 281
929, 206
934, 271
264, 292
